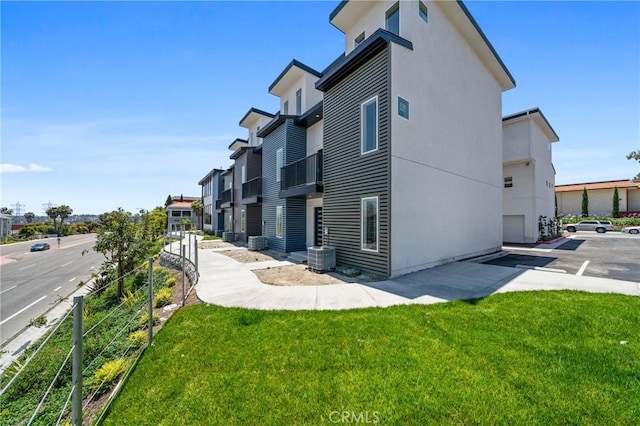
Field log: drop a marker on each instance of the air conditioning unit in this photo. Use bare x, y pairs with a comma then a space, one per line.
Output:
258, 243
321, 259
228, 237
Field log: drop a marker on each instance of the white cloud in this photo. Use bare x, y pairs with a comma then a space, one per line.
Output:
31, 167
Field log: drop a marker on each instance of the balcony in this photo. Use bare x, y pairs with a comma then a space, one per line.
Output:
252, 191
227, 199
302, 179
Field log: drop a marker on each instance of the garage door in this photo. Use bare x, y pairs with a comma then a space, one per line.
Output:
513, 228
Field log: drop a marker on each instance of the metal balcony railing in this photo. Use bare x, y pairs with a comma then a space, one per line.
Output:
303, 172
227, 196
252, 188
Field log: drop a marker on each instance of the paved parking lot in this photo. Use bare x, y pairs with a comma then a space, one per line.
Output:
610, 255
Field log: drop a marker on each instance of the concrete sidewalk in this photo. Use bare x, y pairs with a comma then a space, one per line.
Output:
227, 282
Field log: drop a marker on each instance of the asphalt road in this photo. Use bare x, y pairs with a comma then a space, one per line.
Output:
611, 255
32, 283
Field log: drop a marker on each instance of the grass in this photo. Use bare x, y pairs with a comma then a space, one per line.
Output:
534, 358
210, 237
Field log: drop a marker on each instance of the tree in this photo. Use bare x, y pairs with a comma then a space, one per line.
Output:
121, 243
61, 212
635, 155
181, 198
168, 201
585, 203
6, 210
616, 203
29, 217
196, 208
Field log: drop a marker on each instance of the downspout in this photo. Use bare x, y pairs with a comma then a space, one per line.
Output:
535, 195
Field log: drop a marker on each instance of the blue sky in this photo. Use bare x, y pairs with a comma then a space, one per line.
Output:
118, 104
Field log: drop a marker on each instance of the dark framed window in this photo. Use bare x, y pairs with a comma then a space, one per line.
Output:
369, 224
508, 182
369, 125
423, 12
403, 108
392, 19
299, 102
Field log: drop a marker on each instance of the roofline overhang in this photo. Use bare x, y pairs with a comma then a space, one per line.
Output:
311, 117
237, 140
253, 111
505, 83
537, 116
240, 151
345, 65
208, 175
297, 64
274, 124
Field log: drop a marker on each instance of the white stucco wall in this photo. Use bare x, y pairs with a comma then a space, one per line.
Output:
314, 138
310, 95
446, 165
527, 159
600, 202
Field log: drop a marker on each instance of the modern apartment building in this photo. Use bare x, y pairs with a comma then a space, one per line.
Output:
393, 153
528, 174
212, 187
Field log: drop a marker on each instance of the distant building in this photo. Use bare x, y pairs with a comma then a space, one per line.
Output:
5, 225
179, 210
600, 197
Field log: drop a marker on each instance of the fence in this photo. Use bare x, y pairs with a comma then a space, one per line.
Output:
70, 373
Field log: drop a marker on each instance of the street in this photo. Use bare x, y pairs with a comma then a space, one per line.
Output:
32, 283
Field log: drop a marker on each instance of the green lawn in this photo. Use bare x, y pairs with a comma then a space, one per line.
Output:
519, 358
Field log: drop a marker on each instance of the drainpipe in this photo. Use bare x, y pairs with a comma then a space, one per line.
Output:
535, 209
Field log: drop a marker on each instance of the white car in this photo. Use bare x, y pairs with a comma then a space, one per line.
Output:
631, 229
600, 226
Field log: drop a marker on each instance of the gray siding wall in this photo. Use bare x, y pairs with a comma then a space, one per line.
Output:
216, 194
237, 197
293, 140
350, 176
254, 165
270, 188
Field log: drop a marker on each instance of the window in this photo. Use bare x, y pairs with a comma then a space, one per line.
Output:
392, 19
278, 164
285, 108
369, 225
175, 213
403, 108
279, 222
369, 125
508, 182
422, 11
358, 40
244, 174
243, 221
299, 102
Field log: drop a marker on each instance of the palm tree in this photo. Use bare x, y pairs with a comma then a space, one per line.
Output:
196, 207
29, 216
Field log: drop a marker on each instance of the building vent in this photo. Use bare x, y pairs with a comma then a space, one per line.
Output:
257, 243
321, 259
228, 237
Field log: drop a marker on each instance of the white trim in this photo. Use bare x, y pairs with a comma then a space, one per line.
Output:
281, 210
279, 164
362, 220
362, 105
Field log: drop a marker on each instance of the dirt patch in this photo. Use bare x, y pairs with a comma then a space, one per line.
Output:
246, 256
215, 244
292, 275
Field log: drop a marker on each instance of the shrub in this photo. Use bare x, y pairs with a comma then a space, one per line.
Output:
171, 282
142, 322
349, 271
163, 298
38, 322
137, 338
108, 374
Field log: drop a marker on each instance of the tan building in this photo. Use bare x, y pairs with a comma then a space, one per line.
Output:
600, 197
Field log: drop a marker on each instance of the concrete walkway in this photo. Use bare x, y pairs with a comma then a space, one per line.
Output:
227, 282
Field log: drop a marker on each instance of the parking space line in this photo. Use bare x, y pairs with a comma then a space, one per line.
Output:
62, 266
72, 279
582, 268
10, 288
25, 267
56, 289
22, 310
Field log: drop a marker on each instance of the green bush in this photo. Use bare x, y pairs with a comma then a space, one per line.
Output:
171, 282
163, 298
108, 374
137, 338
142, 322
348, 271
